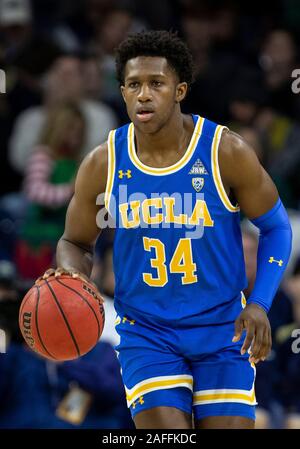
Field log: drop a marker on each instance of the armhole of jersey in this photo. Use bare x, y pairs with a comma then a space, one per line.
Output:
216, 170
111, 166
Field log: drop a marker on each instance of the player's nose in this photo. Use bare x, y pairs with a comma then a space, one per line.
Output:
144, 93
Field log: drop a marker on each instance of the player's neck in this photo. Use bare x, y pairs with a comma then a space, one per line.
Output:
174, 136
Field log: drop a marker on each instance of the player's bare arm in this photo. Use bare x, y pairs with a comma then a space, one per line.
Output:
75, 247
256, 194
242, 173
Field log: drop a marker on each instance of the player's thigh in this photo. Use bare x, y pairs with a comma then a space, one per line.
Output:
225, 422
155, 376
224, 392
163, 418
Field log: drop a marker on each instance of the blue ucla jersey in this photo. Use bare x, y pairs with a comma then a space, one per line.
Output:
178, 254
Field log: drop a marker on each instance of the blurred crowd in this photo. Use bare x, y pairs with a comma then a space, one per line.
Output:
61, 101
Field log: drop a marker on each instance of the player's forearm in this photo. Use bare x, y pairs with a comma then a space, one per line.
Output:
74, 256
273, 255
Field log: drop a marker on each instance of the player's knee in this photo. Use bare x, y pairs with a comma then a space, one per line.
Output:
262, 420
163, 418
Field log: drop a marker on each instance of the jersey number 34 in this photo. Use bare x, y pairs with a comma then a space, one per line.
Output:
181, 262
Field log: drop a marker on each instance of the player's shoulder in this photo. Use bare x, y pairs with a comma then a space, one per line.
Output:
97, 158
236, 157
233, 149
231, 143
93, 168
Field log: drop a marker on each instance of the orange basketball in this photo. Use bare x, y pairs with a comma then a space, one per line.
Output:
61, 318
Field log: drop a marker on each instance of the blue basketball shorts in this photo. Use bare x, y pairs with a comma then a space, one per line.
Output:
198, 370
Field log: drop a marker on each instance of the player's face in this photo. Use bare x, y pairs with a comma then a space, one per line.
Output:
151, 92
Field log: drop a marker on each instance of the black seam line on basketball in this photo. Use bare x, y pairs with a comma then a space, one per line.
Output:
84, 299
37, 324
24, 303
64, 317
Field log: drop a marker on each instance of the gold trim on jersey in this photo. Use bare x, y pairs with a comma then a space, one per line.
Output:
165, 170
111, 166
216, 171
224, 395
157, 383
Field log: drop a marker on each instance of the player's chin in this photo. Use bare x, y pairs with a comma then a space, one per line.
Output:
148, 127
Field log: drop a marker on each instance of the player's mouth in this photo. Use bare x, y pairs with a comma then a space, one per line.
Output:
144, 115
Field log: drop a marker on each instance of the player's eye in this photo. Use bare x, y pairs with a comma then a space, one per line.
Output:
133, 84
156, 83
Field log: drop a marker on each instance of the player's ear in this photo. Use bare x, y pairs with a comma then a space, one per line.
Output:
122, 88
181, 91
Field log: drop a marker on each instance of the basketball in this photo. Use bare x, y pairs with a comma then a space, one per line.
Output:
61, 318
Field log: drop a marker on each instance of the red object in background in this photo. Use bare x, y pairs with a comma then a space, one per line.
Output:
61, 318
32, 263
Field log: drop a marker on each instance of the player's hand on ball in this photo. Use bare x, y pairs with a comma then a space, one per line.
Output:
254, 320
61, 271
62, 316
56, 272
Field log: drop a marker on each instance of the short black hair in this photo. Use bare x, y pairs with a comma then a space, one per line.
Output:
165, 44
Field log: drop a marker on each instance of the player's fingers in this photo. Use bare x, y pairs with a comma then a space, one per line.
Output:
48, 273
270, 339
249, 337
258, 345
60, 271
238, 329
267, 344
74, 273
78, 275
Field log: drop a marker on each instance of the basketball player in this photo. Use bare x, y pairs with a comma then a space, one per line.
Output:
175, 184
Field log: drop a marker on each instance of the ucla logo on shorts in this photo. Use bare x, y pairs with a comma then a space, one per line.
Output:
198, 183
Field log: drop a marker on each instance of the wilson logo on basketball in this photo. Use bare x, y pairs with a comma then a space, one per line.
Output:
26, 321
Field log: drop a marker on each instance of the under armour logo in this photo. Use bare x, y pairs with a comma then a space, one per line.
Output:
140, 401
130, 321
280, 262
127, 173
